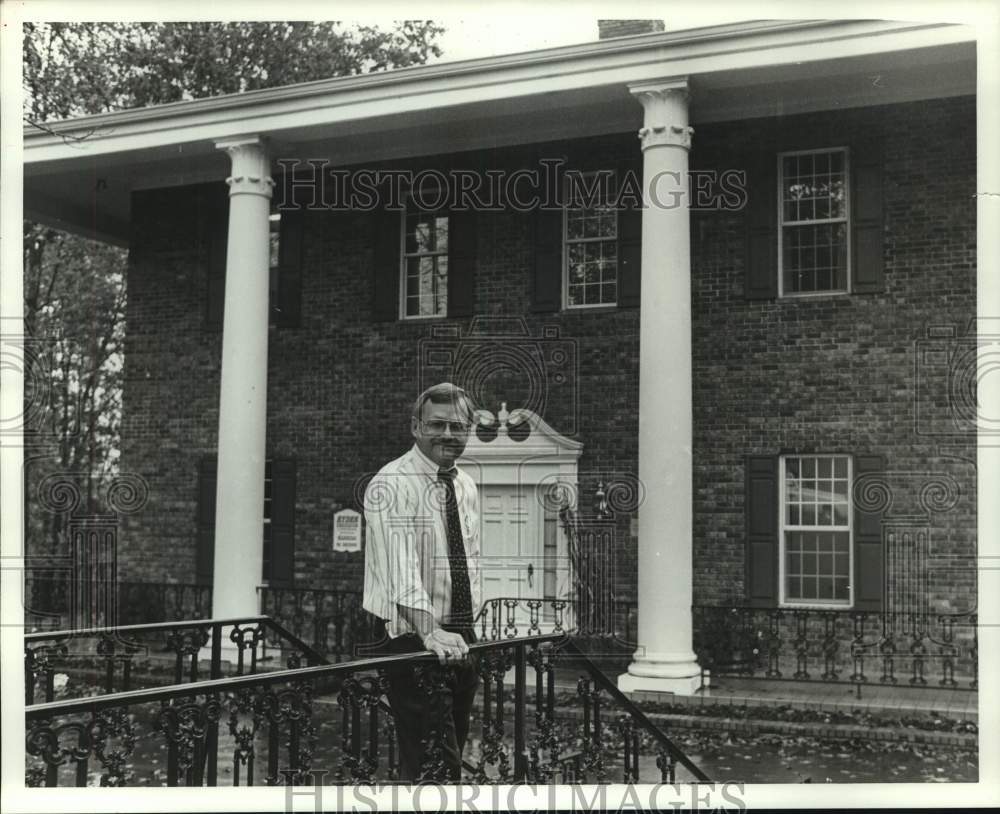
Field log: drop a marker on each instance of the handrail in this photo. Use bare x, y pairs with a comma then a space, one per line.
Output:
208, 686
145, 627
635, 712
285, 633
127, 641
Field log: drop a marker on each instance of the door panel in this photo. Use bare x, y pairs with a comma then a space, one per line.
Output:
510, 544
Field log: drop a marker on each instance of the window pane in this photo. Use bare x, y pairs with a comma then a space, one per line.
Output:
809, 588
574, 225
792, 467
793, 587
274, 249
840, 588
840, 467
808, 467
441, 233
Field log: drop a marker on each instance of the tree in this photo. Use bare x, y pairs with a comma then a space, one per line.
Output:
74, 288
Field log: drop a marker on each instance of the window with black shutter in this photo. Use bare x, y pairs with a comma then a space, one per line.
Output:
278, 521
285, 255
814, 222
809, 544
589, 253
424, 263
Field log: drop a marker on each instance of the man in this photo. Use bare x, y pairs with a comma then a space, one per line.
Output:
422, 575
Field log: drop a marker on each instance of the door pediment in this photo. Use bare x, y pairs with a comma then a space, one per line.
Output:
519, 447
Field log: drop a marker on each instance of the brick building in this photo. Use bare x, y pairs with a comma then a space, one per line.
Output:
793, 329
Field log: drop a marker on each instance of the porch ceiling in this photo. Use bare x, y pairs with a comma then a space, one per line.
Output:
79, 177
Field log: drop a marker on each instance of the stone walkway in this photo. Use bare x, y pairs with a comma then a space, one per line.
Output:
895, 700
899, 700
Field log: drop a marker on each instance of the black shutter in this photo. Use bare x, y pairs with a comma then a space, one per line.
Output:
762, 530
205, 544
869, 553
462, 246
386, 266
546, 287
629, 245
282, 521
866, 215
761, 223
287, 310
218, 234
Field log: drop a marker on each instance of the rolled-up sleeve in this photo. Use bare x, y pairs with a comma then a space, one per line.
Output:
392, 567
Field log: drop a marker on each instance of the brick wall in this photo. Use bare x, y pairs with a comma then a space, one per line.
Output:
829, 374
839, 373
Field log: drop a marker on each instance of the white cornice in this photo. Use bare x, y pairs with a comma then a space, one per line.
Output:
414, 91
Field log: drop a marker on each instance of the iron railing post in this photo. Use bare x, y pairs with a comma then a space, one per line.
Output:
216, 669
520, 755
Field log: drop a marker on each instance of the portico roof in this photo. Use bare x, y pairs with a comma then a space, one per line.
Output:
79, 173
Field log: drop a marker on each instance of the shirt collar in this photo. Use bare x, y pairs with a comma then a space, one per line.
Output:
425, 464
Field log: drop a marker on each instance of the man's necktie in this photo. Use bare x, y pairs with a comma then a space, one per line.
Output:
461, 592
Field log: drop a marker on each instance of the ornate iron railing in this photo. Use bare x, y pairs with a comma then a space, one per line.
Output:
335, 625
332, 621
220, 731
125, 657
839, 646
47, 601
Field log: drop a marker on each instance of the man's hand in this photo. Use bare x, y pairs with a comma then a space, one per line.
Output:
448, 647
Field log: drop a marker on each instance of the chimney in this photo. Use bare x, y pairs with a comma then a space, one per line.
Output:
627, 28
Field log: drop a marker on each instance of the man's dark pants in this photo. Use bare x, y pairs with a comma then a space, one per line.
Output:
416, 716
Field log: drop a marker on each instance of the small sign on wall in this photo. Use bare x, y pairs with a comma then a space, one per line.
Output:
347, 530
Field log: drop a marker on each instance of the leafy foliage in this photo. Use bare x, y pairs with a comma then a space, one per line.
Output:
72, 69
74, 288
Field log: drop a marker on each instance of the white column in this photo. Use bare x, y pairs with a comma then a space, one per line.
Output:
664, 660
239, 502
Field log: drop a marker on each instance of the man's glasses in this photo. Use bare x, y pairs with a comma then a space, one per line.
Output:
437, 427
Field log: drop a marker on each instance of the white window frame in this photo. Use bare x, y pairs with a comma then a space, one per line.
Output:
403, 256
566, 243
823, 604
781, 223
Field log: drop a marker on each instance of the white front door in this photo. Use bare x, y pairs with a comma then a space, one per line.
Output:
521, 559
511, 549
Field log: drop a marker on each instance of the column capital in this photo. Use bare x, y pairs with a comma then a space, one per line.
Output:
251, 166
665, 102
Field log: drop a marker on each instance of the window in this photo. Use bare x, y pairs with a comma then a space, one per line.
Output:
424, 286
268, 508
274, 264
591, 244
284, 268
813, 234
278, 526
816, 529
